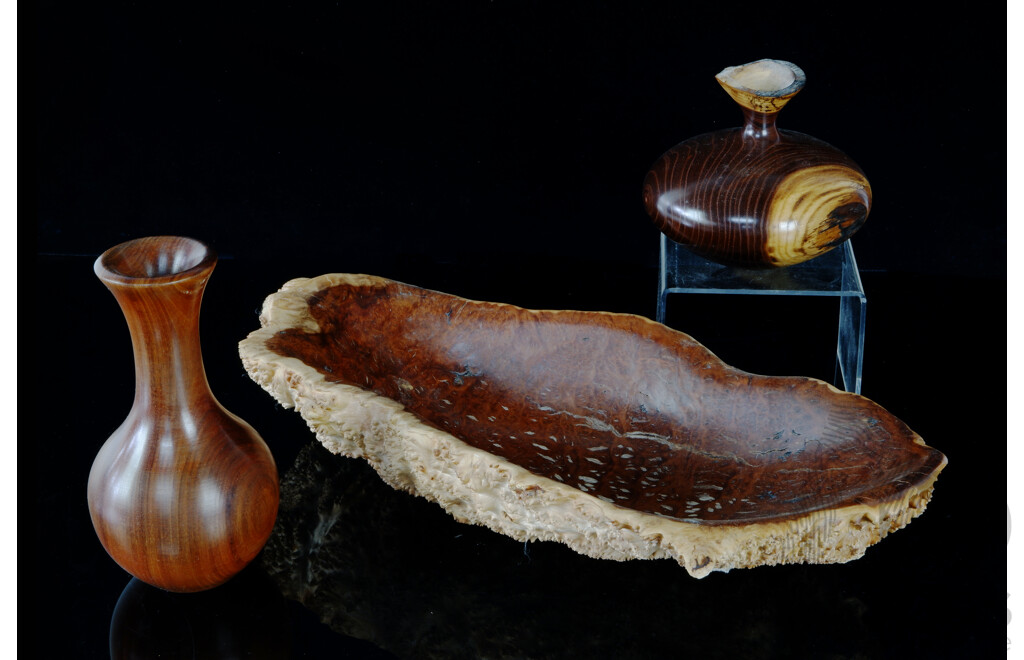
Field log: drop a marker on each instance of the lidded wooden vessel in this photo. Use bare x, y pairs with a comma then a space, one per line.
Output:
757, 196
184, 494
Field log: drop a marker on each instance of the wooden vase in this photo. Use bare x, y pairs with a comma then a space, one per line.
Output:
757, 196
184, 494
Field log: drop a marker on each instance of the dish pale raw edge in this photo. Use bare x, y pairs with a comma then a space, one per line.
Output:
478, 487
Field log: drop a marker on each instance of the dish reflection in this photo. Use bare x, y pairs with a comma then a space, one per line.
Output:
396, 570
243, 618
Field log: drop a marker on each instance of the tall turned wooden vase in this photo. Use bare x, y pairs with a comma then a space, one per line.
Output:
184, 494
757, 196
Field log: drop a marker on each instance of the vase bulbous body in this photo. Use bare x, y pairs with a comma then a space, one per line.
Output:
757, 196
184, 494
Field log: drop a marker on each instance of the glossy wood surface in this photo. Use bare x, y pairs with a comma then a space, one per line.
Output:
614, 405
757, 196
184, 494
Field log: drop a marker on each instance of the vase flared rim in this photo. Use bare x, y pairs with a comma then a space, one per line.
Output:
155, 260
792, 77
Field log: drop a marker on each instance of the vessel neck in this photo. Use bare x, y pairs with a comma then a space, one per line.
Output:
759, 125
169, 374
169, 371
159, 283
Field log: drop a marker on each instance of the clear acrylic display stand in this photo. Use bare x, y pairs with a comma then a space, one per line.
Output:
831, 274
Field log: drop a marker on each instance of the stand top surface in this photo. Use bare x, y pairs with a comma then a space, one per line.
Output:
834, 273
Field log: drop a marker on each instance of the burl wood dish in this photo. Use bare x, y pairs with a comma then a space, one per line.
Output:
757, 196
608, 432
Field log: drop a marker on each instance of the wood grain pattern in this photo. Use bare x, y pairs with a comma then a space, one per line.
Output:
757, 196
184, 494
616, 406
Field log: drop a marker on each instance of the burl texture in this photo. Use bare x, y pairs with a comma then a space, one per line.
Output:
612, 433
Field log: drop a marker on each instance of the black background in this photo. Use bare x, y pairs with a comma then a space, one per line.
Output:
496, 150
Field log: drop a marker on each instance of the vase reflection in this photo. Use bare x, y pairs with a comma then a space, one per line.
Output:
384, 566
244, 618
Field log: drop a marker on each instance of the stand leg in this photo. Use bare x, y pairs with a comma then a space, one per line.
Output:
852, 312
850, 352
663, 268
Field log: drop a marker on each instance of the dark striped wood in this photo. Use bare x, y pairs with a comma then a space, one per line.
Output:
184, 494
614, 405
757, 196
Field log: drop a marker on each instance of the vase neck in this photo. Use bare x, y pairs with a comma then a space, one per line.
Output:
159, 284
760, 125
169, 374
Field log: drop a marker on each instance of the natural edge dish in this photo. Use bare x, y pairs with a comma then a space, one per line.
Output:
608, 432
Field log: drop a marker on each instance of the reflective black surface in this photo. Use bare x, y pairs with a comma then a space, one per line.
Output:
356, 569
397, 571
497, 152
245, 618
